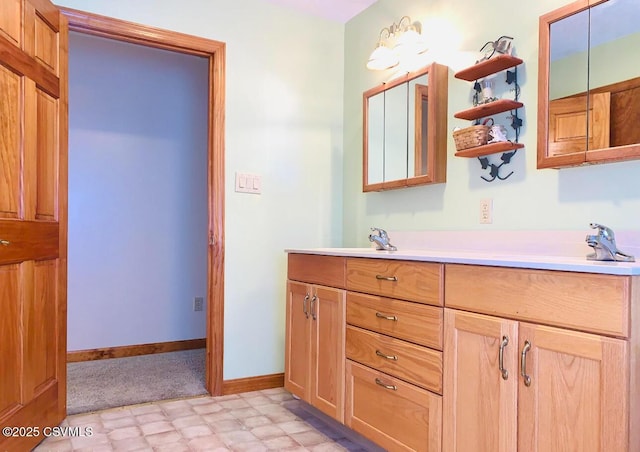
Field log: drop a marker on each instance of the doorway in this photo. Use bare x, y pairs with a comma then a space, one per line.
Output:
137, 252
214, 52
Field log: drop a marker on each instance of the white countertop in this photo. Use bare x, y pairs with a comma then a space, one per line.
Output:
524, 256
574, 264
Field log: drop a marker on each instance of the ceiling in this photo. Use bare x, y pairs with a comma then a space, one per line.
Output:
337, 10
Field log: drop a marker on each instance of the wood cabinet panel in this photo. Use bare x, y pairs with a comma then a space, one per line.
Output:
398, 417
407, 280
10, 160
572, 118
314, 346
578, 397
47, 163
39, 306
327, 351
480, 406
10, 347
316, 269
46, 44
10, 18
413, 322
415, 364
297, 340
596, 303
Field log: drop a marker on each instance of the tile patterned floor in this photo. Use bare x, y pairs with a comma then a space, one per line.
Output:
254, 421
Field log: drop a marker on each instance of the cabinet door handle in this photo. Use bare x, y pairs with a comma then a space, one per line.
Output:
304, 306
313, 307
382, 355
523, 363
386, 386
503, 371
386, 317
5, 242
386, 278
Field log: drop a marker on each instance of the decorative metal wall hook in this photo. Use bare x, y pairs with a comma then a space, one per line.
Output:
494, 170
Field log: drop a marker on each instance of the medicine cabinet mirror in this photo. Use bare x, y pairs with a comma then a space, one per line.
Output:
405, 131
589, 83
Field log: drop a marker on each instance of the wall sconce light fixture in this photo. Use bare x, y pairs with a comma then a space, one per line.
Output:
398, 41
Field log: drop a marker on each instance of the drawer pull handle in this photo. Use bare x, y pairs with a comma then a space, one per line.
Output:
523, 363
313, 307
382, 355
503, 371
386, 278
386, 317
304, 306
5, 242
386, 386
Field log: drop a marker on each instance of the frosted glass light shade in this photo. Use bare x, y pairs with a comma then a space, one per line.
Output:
382, 58
410, 43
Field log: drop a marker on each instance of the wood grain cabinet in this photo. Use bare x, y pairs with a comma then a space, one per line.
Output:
554, 382
394, 353
314, 339
420, 356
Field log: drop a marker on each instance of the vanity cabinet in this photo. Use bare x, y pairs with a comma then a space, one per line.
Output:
315, 332
424, 356
394, 352
538, 360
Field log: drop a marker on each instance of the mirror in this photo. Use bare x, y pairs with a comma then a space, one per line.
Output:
405, 131
589, 83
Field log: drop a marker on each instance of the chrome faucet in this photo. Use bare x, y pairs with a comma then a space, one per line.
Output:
604, 245
381, 240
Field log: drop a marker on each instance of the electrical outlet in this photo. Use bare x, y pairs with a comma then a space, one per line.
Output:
486, 211
198, 303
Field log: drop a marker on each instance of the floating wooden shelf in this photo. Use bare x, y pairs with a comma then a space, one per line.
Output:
488, 67
487, 149
488, 109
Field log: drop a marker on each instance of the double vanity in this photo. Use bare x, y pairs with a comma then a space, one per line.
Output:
467, 351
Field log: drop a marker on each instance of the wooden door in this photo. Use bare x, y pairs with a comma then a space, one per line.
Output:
578, 396
327, 351
33, 218
297, 339
480, 406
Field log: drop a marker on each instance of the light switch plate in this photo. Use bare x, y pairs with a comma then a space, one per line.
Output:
248, 183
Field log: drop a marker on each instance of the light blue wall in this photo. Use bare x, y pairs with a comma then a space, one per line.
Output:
137, 194
530, 199
284, 98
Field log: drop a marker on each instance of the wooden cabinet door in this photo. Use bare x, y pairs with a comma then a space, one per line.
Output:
33, 218
578, 396
328, 351
480, 406
572, 118
297, 339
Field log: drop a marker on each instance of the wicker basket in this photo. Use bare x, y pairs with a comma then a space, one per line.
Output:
470, 137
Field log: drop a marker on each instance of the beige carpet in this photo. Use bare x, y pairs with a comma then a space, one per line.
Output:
108, 383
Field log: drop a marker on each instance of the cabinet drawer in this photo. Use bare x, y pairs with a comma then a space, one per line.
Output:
399, 417
317, 269
407, 280
590, 302
413, 363
412, 322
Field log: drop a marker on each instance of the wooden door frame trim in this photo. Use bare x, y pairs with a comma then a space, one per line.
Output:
214, 51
